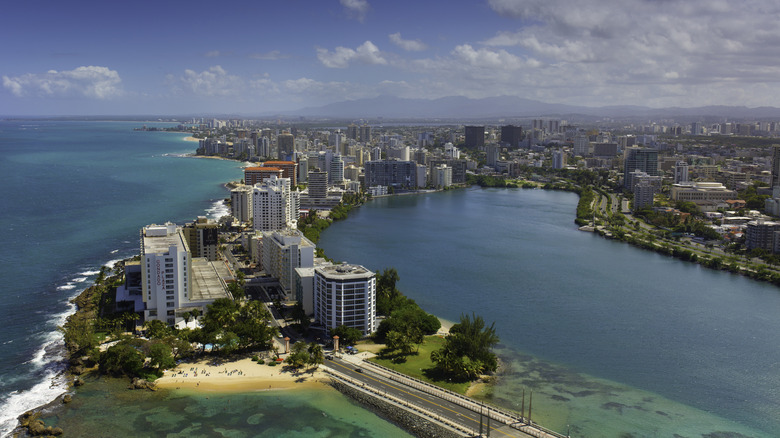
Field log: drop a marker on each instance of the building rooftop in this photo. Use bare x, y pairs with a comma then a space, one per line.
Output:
207, 283
344, 271
158, 239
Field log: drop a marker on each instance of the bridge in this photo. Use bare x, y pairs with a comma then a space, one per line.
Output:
461, 415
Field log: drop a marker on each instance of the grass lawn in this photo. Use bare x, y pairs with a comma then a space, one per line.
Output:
416, 364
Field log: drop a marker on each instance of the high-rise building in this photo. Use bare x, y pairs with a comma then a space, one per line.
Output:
442, 176
458, 168
637, 158
775, 165
680, 172
558, 159
283, 251
256, 175
274, 205
365, 134
581, 146
202, 238
241, 203
391, 173
492, 155
475, 136
352, 132
289, 169
644, 191
345, 295
318, 184
336, 171
172, 280
285, 144
511, 136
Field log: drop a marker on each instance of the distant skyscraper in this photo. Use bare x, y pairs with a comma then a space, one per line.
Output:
336, 173
286, 145
775, 165
492, 155
643, 159
680, 172
475, 136
581, 145
364, 135
558, 159
352, 132
511, 135
318, 184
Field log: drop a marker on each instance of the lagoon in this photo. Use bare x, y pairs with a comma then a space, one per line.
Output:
612, 339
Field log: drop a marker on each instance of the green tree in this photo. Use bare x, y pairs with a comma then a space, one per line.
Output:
121, 359
347, 335
156, 329
161, 357
467, 350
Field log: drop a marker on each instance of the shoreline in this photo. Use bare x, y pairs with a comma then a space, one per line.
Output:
236, 376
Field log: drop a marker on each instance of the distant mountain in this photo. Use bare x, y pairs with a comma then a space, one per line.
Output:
513, 107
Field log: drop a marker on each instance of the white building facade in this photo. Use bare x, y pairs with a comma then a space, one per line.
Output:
283, 252
274, 205
345, 295
165, 271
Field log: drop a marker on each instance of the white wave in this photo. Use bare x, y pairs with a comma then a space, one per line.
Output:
114, 251
79, 279
88, 273
67, 286
52, 385
111, 263
217, 210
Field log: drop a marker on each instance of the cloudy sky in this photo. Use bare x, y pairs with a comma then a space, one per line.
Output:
258, 57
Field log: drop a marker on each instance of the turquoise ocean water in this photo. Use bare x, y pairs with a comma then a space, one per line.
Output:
613, 341
75, 195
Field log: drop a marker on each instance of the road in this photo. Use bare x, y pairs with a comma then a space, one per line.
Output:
437, 406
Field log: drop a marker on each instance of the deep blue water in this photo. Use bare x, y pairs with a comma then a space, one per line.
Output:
75, 196
612, 339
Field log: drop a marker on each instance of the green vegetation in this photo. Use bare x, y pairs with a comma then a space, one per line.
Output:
303, 354
347, 335
466, 353
420, 366
584, 207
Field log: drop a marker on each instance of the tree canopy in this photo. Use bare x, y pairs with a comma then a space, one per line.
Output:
467, 351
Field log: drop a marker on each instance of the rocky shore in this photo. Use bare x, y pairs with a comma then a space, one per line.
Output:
416, 425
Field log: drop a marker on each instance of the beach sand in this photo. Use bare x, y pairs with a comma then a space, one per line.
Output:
243, 375
191, 139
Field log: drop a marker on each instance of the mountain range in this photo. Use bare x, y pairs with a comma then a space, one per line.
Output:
463, 108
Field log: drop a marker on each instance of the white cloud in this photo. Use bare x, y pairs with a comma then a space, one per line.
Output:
356, 8
213, 54
269, 56
88, 81
408, 45
340, 57
212, 82
647, 50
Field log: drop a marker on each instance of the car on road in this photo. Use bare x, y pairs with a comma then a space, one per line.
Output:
358, 370
329, 356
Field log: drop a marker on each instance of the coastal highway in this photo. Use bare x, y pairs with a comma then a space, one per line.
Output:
469, 419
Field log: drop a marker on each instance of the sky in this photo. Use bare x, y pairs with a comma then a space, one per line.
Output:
255, 57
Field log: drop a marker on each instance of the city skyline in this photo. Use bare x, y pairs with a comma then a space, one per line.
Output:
262, 58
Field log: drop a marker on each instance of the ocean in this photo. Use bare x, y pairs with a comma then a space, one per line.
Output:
612, 340
75, 197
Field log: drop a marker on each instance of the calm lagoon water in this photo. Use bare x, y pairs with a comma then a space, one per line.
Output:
612, 339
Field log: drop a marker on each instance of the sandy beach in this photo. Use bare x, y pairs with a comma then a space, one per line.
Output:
191, 139
243, 375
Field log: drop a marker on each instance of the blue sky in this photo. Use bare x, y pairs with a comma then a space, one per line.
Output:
259, 57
